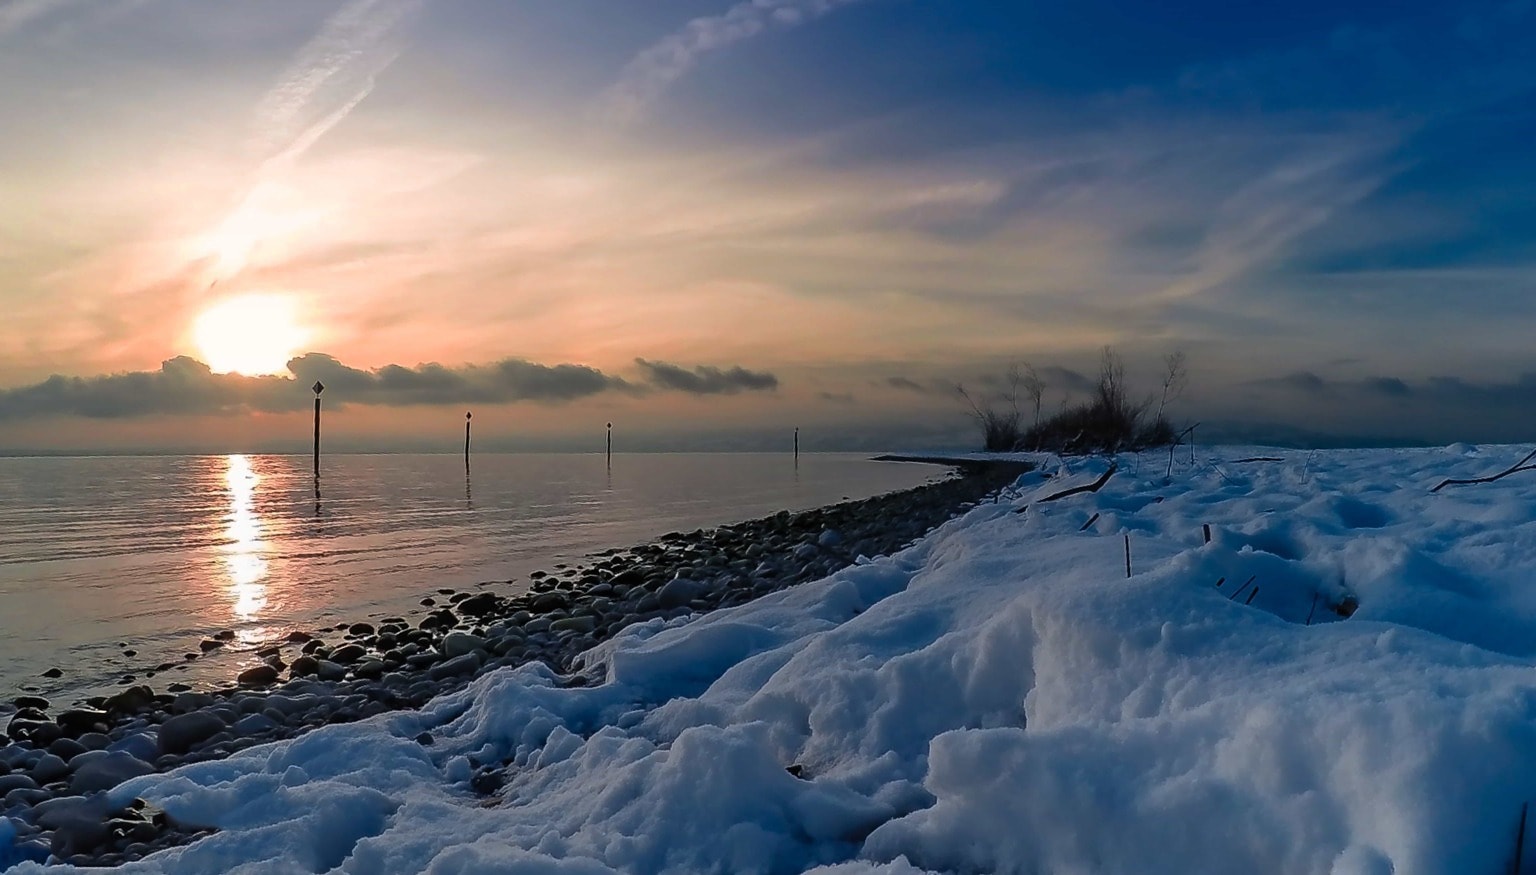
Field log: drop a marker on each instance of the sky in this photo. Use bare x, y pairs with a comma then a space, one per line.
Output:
711, 222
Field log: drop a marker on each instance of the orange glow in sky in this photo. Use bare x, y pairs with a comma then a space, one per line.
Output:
250, 334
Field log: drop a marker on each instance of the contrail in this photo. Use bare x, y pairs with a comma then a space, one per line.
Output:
16, 14
652, 71
328, 78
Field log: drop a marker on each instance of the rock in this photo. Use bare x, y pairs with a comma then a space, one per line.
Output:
189, 701
829, 538
679, 592
78, 824
459, 643
370, 668
16, 781
49, 768
257, 676
108, 772
130, 700
253, 724
140, 744
53, 673
180, 733
95, 741
550, 601
454, 667
582, 624
480, 605
66, 748
208, 644
36, 703
330, 671
304, 666
297, 637
361, 629
348, 654
78, 720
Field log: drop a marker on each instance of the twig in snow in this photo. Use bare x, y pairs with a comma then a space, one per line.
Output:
1127, 555
1252, 595
1095, 486
1313, 609
1513, 469
1091, 520
1239, 591
1258, 459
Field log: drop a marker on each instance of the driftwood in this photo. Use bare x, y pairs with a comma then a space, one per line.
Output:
1258, 459
1512, 469
1095, 486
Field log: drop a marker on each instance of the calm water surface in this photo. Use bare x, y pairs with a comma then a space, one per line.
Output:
99, 555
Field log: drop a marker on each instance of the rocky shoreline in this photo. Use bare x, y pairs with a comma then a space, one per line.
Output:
55, 764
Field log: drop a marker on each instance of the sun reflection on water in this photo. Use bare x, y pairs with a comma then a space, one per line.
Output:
243, 559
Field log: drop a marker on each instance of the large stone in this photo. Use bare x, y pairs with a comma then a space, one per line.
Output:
49, 768
348, 654
139, 744
459, 665
304, 666
582, 624
481, 605
16, 781
459, 643
180, 733
679, 592
108, 772
257, 676
130, 700
330, 671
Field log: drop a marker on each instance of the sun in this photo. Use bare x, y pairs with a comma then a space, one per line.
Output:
252, 335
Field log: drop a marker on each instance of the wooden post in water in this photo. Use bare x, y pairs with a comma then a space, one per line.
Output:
318, 387
610, 445
797, 444
467, 417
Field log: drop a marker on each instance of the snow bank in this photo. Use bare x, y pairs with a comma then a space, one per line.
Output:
999, 697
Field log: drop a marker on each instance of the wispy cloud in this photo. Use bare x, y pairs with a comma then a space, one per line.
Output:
16, 14
654, 70
329, 77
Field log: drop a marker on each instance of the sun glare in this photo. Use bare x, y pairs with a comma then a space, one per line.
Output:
251, 335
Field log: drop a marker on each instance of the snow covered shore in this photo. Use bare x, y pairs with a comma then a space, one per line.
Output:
998, 697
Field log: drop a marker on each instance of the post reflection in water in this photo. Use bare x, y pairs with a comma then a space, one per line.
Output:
243, 558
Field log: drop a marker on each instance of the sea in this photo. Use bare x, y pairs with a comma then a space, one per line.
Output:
113, 566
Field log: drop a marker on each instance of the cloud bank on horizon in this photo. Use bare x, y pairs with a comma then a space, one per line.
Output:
184, 385
868, 200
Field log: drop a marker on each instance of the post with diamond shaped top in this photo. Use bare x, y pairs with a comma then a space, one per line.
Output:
318, 387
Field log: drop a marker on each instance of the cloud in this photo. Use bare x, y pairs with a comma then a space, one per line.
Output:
842, 398
16, 14
184, 385
333, 73
704, 380
652, 71
1301, 381
1432, 393
907, 384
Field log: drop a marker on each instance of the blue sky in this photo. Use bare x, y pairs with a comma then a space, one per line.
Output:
1314, 200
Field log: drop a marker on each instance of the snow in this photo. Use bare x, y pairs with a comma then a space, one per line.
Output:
998, 697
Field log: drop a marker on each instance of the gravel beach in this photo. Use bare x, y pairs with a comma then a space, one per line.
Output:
56, 762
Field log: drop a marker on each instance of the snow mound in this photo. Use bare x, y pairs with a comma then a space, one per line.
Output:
1339, 682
